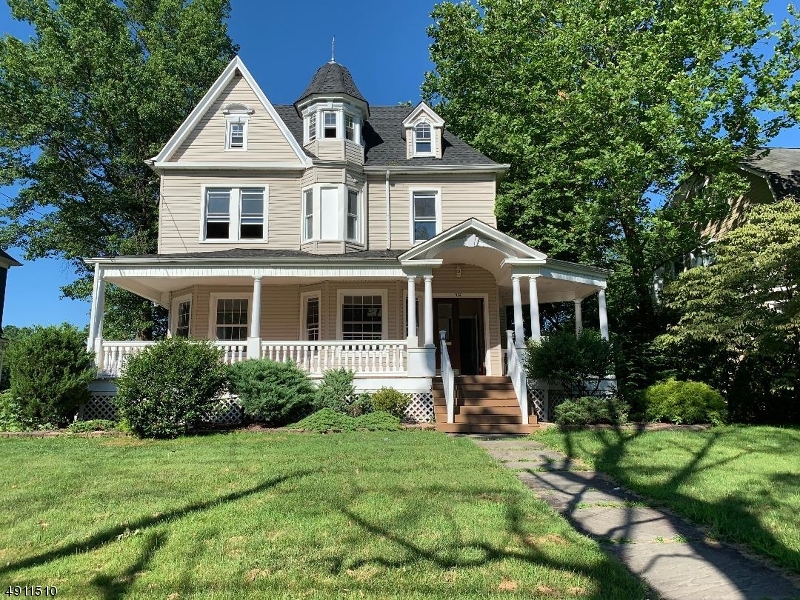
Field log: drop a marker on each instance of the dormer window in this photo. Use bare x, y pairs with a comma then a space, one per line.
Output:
329, 124
423, 139
236, 119
312, 127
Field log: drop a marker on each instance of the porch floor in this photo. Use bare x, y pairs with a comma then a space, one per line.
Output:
483, 404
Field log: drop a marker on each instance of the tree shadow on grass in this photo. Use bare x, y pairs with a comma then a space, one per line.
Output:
109, 535
116, 587
734, 509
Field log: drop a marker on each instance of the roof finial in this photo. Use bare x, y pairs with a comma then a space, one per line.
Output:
333, 50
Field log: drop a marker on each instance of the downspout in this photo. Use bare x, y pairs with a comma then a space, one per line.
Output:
388, 215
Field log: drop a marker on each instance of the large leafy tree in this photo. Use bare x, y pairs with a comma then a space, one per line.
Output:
744, 310
100, 87
609, 112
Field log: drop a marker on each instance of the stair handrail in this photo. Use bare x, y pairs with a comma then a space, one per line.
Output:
448, 379
516, 371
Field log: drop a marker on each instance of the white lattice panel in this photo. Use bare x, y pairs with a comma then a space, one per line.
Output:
100, 406
228, 412
421, 408
536, 399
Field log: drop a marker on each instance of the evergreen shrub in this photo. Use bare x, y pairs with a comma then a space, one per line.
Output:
591, 410
170, 387
684, 403
392, 401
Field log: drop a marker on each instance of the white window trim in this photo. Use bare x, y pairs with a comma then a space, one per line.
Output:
342, 190
212, 312
235, 212
414, 139
359, 213
173, 313
383, 293
304, 297
411, 192
230, 120
341, 109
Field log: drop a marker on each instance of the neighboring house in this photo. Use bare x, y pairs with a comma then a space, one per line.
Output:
6, 262
339, 234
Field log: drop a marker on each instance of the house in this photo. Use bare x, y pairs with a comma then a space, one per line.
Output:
334, 233
6, 262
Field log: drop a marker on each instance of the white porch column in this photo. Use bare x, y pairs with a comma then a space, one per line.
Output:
533, 293
519, 325
429, 310
254, 340
578, 317
97, 289
601, 302
411, 311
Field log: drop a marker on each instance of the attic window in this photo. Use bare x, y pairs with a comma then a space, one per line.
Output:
236, 119
349, 129
423, 139
329, 124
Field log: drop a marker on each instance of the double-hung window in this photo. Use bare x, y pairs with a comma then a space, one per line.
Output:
183, 317
308, 214
312, 318
312, 127
362, 317
231, 319
236, 135
349, 127
234, 214
424, 218
423, 140
352, 215
329, 124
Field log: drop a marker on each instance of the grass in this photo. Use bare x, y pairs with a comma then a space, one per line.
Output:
743, 482
361, 514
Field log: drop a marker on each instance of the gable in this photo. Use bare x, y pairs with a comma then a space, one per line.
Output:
202, 136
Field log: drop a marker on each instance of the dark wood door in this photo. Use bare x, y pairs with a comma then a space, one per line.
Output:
446, 318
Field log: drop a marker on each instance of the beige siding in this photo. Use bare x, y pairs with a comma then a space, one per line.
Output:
181, 206
265, 141
474, 280
758, 193
462, 196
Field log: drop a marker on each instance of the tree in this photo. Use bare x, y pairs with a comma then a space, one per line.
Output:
608, 112
99, 88
745, 309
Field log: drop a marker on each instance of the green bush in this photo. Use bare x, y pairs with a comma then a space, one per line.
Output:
336, 391
92, 425
391, 401
9, 412
50, 374
329, 420
170, 387
575, 362
362, 405
272, 392
684, 402
591, 410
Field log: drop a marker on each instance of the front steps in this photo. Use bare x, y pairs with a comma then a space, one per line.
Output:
483, 404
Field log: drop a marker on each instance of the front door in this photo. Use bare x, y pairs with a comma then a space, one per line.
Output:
462, 321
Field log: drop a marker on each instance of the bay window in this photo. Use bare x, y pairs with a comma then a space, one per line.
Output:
331, 213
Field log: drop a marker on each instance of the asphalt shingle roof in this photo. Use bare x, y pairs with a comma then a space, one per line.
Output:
782, 167
332, 78
385, 145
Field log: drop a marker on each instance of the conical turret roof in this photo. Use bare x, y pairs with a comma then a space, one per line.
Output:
332, 78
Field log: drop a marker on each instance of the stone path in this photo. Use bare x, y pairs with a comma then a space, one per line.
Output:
673, 556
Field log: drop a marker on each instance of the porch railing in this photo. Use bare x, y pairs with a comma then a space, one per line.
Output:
385, 357
448, 379
516, 371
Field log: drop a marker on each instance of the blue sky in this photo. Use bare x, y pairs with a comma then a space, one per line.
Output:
384, 44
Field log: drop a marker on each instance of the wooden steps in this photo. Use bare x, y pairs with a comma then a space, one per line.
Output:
482, 405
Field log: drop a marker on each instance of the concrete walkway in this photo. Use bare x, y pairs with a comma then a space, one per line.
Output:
674, 557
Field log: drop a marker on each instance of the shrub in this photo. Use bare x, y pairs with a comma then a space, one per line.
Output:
170, 387
571, 361
272, 392
92, 425
329, 420
362, 405
684, 402
336, 391
391, 401
591, 410
9, 412
50, 374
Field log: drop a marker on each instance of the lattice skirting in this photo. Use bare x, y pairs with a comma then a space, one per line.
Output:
421, 408
537, 401
101, 406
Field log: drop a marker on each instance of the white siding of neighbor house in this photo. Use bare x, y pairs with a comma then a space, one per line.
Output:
265, 141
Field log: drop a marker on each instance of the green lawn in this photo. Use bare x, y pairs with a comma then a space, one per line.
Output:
401, 514
743, 482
